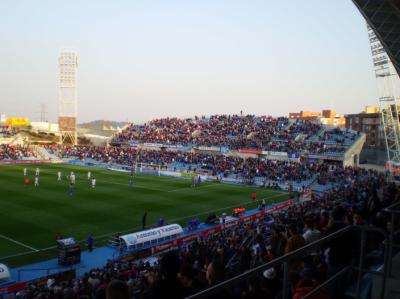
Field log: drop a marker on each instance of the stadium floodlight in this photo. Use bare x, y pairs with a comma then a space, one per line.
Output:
388, 89
67, 96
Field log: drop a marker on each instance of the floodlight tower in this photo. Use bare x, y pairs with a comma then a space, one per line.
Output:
67, 97
388, 89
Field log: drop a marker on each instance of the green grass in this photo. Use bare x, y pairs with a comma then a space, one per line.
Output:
32, 216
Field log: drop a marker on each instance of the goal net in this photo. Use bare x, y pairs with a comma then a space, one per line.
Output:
148, 168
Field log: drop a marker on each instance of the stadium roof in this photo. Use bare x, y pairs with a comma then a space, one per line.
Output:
384, 17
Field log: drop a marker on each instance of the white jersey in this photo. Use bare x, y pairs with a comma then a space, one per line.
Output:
89, 174
59, 176
93, 182
25, 171
37, 171
72, 178
36, 181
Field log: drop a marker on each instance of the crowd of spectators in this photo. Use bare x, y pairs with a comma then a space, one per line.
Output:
339, 137
219, 164
231, 131
234, 131
7, 132
15, 152
359, 197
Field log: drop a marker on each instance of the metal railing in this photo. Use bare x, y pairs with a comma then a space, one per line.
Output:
301, 252
393, 210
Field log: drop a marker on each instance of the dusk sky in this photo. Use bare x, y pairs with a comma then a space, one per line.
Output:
145, 59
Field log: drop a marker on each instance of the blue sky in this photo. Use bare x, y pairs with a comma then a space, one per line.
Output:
146, 59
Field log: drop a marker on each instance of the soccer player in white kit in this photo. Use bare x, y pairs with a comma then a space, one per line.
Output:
93, 183
72, 177
37, 171
89, 175
36, 181
25, 171
59, 176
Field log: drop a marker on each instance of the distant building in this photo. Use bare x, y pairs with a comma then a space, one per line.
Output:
327, 117
17, 122
371, 109
305, 115
41, 126
294, 115
370, 124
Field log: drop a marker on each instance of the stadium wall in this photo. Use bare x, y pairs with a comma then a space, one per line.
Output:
352, 155
25, 161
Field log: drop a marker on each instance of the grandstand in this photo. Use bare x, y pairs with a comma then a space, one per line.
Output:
275, 138
220, 206
303, 175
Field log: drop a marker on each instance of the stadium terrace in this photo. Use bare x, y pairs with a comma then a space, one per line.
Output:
232, 132
262, 188
207, 261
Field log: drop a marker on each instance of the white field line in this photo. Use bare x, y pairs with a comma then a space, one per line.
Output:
280, 193
187, 188
194, 188
179, 218
133, 186
221, 209
19, 243
53, 171
17, 254
139, 227
161, 190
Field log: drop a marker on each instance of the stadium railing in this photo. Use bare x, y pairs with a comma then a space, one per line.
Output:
394, 211
304, 251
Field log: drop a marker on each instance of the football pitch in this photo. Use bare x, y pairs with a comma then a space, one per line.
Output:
31, 217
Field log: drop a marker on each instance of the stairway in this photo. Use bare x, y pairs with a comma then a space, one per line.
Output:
43, 154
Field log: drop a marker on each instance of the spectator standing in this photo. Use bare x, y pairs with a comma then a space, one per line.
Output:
310, 234
294, 242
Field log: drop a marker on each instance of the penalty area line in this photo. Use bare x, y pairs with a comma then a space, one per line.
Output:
16, 255
194, 188
19, 243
